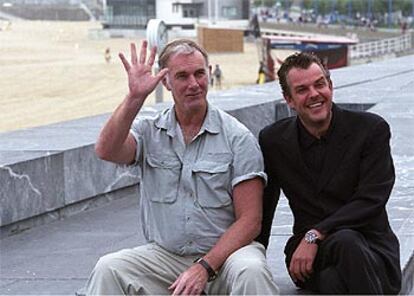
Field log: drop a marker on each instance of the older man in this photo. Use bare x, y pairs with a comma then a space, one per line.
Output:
201, 187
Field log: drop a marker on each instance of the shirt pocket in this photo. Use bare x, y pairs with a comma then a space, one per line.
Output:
162, 177
213, 183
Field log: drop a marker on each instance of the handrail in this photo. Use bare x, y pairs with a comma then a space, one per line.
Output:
381, 47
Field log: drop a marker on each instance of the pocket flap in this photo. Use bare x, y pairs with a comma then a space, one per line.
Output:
211, 167
163, 162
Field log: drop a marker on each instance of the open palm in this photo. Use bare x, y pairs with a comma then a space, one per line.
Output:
141, 82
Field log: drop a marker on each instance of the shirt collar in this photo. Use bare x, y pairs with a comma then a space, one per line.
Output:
212, 121
167, 120
306, 139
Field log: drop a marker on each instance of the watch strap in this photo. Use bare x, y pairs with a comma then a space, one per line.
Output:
212, 275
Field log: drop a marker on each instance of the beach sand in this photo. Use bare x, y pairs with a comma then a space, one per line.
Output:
52, 72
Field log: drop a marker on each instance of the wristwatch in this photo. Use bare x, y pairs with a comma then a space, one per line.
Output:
212, 275
312, 237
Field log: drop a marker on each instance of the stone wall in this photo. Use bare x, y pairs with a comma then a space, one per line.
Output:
40, 177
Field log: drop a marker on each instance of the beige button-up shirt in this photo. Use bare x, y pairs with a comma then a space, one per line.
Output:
186, 190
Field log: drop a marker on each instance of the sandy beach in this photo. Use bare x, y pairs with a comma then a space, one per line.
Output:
53, 71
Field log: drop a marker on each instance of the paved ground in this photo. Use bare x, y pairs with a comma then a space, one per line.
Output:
56, 258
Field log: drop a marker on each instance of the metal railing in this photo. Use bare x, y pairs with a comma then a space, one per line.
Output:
381, 47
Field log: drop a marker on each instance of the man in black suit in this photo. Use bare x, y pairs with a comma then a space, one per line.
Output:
336, 170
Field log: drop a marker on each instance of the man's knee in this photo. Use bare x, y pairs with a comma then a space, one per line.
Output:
124, 272
345, 247
251, 276
247, 272
348, 240
249, 268
330, 282
249, 260
104, 277
107, 263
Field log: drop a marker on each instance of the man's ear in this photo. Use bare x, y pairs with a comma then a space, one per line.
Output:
166, 82
289, 100
330, 83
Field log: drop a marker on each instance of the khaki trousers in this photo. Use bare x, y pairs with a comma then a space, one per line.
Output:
150, 270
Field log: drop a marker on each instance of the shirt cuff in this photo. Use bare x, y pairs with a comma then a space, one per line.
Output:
249, 176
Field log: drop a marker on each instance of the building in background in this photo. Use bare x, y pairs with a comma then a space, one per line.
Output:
175, 13
128, 13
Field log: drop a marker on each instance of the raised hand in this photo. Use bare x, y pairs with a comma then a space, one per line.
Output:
141, 82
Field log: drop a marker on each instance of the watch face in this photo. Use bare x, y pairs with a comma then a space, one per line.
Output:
311, 237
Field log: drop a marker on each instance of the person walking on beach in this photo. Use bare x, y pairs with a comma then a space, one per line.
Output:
218, 74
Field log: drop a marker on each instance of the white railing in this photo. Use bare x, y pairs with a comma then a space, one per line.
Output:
381, 47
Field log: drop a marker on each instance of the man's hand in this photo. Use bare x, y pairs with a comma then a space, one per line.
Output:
141, 82
190, 282
301, 264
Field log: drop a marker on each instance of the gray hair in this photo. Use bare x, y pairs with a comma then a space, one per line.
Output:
184, 46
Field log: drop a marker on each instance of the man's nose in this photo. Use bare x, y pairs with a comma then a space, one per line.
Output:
192, 81
313, 92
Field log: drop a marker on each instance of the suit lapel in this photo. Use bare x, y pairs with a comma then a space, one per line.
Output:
291, 146
338, 144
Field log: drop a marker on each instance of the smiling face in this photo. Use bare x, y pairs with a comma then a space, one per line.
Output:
187, 79
310, 95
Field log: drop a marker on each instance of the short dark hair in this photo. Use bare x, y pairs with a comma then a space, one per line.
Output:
185, 46
302, 60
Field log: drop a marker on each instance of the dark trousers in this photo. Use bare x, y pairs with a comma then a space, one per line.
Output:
345, 264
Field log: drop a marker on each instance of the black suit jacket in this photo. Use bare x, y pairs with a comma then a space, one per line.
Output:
353, 188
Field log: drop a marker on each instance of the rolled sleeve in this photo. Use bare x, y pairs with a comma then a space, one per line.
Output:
248, 160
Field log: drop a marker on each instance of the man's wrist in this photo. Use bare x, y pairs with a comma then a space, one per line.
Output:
133, 103
313, 236
212, 275
135, 98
